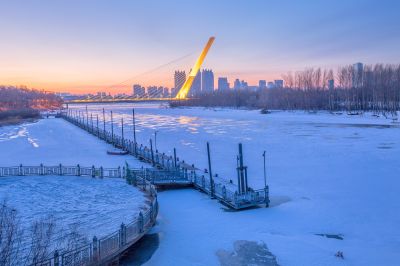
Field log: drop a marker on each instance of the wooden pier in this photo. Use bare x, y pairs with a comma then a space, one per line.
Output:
169, 171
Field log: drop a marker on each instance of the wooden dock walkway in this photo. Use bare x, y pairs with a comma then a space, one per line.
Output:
169, 171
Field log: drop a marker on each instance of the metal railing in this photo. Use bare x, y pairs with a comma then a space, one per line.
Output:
105, 249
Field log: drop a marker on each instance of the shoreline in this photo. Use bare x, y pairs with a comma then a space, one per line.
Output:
10, 121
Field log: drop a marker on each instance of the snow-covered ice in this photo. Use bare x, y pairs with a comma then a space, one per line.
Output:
55, 141
97, 206
328, 174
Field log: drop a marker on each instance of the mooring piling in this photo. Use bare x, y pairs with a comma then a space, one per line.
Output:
242, 172
210, 170
122, 131
112, 127
104, 122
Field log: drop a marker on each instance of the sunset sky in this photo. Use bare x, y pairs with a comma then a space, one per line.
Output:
89, 46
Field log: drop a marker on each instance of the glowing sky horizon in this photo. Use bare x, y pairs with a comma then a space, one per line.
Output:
89, 46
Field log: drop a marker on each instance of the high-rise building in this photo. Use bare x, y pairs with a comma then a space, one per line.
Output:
262, 84
270, 85
155, 92
244, 85
237, 85
357, 77
174, 92
207, 81
179, 78
223, 84
331, 84
165, 92
138, 90
101, 94
278, 83
195, 89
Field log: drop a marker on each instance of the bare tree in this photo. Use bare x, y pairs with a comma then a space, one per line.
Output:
376, 89
42, 232
10, 235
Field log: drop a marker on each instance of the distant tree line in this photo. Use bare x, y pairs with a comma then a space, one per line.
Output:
375, 88
21, 102
14, 98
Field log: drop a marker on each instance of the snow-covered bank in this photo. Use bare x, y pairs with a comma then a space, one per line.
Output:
328, 174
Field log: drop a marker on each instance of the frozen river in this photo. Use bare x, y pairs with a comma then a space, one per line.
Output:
333, 175
328, 174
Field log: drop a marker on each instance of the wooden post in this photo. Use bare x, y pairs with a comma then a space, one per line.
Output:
104, 124
155, 139
175, 158
123, 235
210, 171
140, 222
97, 123
266, 189
152, 153
122, 132
242, 172
87, 118
56, 258
134, 129
95, 245
91, 121
112, 128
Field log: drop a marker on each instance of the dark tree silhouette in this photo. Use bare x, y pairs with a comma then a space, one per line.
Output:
376, 89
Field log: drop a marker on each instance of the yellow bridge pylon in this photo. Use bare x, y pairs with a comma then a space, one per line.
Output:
183, 92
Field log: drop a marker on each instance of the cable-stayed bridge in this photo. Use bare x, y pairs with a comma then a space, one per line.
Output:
153, 93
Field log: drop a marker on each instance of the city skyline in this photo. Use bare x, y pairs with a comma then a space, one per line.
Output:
96, 46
